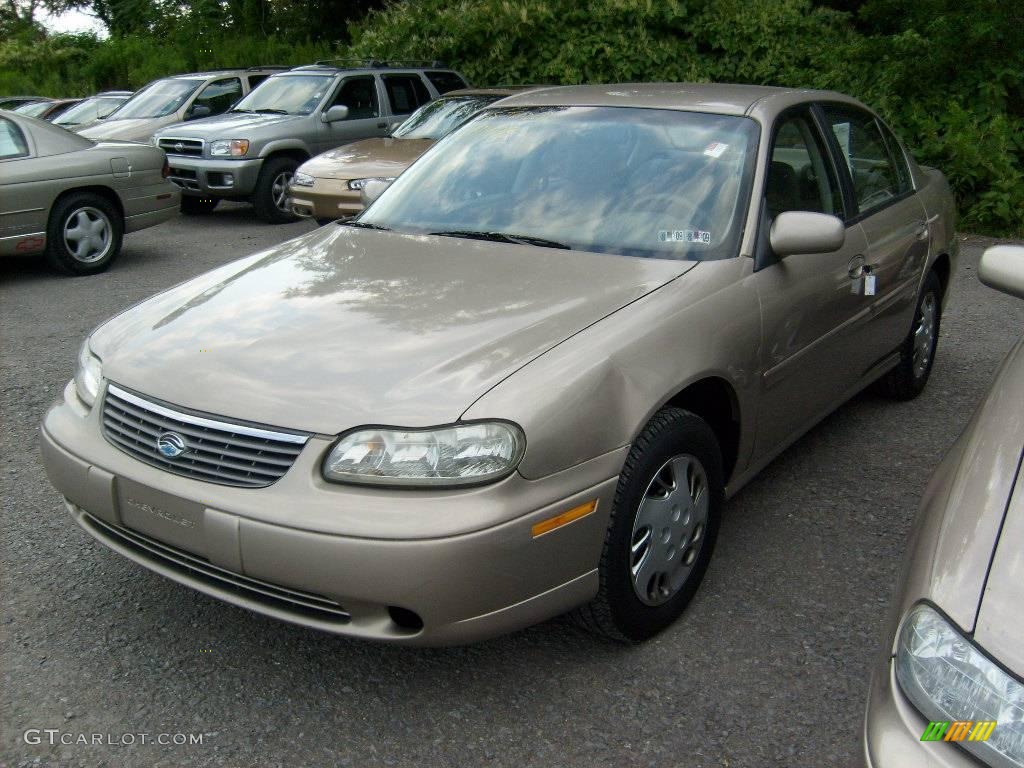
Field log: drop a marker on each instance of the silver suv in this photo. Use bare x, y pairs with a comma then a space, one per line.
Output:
252, 151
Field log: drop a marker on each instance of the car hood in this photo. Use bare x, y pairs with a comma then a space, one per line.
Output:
1000, 621
370, 157
220, 126
134, 129
346, 326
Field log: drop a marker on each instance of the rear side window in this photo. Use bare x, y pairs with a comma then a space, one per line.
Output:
875, 176
446, 81
405, 93
220, 95
12, 140
359, 94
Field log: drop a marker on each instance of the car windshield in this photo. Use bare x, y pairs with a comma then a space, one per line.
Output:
35, 109
286, 94
439, 118
164, 97
90, 109
638, 182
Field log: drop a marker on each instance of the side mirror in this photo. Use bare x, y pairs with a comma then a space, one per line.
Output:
335, 114
372, 190
199, 110
796, 232
1002, 268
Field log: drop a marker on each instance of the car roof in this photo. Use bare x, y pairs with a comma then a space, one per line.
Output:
499, 90
112, 93
720, 98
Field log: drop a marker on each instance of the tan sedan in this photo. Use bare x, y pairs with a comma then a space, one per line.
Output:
526, 378
947, 689
329, 186
72, 198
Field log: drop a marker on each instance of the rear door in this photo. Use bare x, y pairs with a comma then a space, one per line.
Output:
876, 173
365, 119
809, 314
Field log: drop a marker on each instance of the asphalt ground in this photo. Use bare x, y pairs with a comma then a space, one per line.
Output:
768, 667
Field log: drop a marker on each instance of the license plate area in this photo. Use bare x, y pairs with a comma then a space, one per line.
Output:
165, 517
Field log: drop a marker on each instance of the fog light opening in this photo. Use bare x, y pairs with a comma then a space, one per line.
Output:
405, 619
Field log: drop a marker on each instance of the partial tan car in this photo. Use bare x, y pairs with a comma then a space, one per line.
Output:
329, 186
526, 378
949, 688
177, 99
73, 199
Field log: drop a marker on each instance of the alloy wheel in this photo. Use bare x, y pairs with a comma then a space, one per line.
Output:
279, 190
88, 234
924, 334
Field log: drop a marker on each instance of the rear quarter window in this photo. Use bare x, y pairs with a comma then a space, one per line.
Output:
12, 140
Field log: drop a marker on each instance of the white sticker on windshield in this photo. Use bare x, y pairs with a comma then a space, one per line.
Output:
715, 149
684, 236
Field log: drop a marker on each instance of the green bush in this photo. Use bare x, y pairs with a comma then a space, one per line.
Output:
948, 75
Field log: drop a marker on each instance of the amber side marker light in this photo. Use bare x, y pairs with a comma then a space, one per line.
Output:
546, 526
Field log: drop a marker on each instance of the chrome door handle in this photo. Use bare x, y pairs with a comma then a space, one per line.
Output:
922, 231
382, 125
856, 267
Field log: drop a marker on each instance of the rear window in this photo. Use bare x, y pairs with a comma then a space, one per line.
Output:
446, 81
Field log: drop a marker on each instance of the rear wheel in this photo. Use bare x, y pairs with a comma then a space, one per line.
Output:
908, 379
662, 530
271, 198
83, 234
197, 206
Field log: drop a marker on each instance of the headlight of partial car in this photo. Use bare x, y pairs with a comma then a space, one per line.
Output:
302, 180
462, 454
232, 147
947, 677
88, 375
357, 184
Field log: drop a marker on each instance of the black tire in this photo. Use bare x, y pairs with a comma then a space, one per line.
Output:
618, 612
79, 212
908, 379
198, 206
271, 175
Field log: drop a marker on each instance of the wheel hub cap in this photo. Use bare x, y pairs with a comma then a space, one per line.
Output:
669, 529
87, 234
924, 335
279, 190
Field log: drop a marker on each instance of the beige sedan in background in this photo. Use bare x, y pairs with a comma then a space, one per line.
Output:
72, 198
329, 186
526, 378
948, 690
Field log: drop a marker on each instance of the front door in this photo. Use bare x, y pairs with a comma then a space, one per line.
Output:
364, 119
809, 311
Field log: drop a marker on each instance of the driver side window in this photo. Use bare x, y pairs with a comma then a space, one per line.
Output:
799, 176
359, 94
220, 95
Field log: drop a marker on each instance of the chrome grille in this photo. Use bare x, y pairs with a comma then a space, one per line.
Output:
175, 146
215, 451
194, 568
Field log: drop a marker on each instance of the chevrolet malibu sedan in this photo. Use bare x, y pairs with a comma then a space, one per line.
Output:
949, 688
72, 199
525, 380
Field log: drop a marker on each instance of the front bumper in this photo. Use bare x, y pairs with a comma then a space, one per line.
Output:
893, 729
204, 177
326, 199
274, 551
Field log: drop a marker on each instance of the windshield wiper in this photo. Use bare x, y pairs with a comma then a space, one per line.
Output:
503, 237
267, 111
240, 110
365, 225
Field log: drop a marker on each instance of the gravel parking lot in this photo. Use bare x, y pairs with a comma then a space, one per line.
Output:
768, 667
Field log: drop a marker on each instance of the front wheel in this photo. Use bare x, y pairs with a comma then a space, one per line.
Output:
271, 198
662, 531
917, 354
83, 234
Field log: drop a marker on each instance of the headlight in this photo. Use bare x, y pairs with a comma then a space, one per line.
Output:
302, 180
233, 147
948, 678
88, 375
357, 184
462, 454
